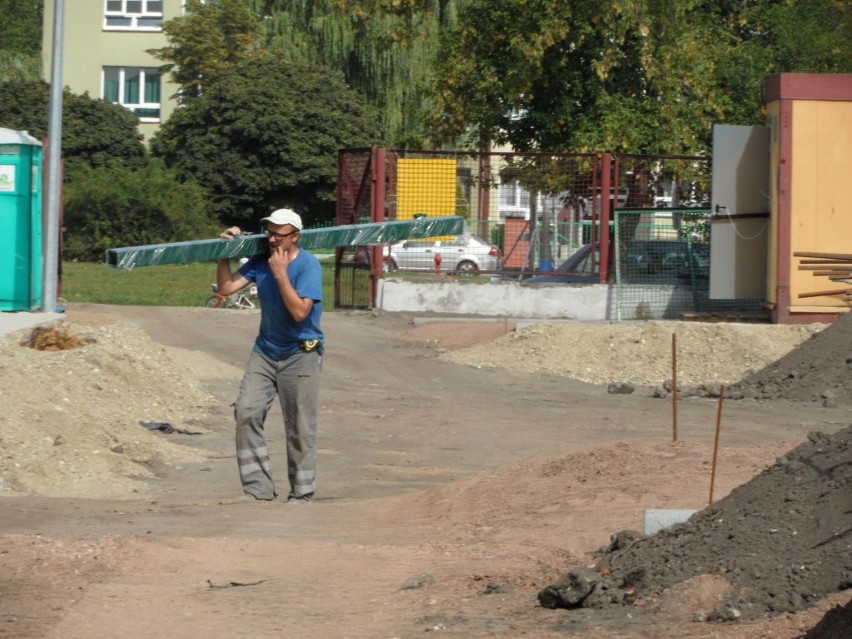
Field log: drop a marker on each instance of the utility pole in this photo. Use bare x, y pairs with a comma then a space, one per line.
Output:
54, 158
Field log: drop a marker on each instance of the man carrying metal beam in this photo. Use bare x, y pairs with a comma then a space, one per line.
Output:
286, 358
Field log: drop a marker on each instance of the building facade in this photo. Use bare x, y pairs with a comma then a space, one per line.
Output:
105, 54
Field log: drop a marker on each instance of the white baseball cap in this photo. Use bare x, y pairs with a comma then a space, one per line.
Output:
284, 216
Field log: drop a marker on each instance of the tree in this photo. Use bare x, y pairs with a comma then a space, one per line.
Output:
640, 76
207, 42
267, 135
803, 36
20, 28
19, 66
94, 132
20, 39
577, 76
384, 48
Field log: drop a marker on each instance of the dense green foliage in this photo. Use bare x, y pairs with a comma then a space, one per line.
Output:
637, 76
384, 48
19, 66
115, 205
801, 36
20, 28
267, 135
210, 40
20, 39
94, 132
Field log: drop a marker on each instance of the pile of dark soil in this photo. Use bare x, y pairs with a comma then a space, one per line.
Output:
818, 370
836, 624
782, 542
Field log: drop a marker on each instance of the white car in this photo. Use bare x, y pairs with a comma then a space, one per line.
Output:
462, 254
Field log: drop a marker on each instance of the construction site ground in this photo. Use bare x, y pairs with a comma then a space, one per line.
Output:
457, 478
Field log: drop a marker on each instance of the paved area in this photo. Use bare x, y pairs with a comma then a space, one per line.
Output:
16, 320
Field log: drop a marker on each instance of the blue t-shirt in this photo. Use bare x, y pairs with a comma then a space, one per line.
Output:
280, 334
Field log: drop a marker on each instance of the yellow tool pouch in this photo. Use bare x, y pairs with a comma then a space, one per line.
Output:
309, 345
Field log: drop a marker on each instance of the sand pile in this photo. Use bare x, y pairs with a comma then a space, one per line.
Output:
639, 352
73, 401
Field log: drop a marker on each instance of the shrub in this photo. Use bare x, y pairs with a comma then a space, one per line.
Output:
114, 206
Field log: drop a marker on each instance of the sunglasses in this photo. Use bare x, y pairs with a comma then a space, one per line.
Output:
279, 236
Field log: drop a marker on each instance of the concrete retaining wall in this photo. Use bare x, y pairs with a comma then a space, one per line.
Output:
587, 302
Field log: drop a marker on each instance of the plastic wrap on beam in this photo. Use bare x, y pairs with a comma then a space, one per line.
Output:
248, 245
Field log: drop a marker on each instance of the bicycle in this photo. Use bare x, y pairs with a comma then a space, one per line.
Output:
240, 299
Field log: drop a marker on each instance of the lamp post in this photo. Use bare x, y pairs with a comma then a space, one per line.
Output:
54, 158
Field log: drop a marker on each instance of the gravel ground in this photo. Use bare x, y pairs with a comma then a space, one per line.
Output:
775, 542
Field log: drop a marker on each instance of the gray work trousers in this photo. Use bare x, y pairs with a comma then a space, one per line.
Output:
296, 382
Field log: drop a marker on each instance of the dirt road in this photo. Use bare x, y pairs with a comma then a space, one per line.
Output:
448, 496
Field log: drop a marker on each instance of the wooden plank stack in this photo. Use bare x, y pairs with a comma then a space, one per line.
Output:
837, 267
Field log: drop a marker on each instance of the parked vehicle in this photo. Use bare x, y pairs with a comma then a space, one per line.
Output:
461, 254
665, 262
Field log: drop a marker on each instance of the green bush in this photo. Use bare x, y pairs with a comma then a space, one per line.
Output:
498, 234
114, 206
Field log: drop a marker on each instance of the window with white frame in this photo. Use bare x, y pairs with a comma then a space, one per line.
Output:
514, 201
135, 88
134, 15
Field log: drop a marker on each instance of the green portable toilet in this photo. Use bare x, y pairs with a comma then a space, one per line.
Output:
20, 211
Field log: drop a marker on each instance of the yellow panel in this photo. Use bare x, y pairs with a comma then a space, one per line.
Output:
821, 207
426, 186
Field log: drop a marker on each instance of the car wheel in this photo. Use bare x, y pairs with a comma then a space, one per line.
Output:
390, 265
466, 266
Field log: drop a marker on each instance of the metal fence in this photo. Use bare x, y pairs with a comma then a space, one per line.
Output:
662, 264
643, 220
534, 206
352, 282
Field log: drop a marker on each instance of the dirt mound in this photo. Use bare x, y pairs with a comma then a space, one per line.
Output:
836, 623
639, 352
74, 398
819, 369
780, 542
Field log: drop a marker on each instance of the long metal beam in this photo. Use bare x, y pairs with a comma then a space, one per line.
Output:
248, 245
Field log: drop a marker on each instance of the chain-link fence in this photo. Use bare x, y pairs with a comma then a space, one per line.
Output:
502, 195
529, 213
662, 263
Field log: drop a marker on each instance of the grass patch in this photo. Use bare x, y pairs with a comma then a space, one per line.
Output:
167, 285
